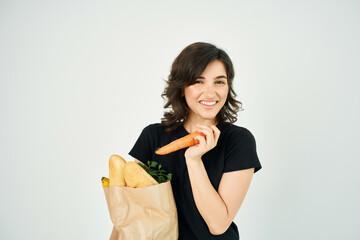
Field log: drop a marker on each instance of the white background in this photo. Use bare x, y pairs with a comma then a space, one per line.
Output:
81, 79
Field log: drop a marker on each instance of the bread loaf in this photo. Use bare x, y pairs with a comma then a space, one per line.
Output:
116, 171
136, 176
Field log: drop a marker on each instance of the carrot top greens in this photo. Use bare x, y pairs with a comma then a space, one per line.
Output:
154, 169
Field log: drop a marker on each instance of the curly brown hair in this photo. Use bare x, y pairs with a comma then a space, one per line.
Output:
186, 68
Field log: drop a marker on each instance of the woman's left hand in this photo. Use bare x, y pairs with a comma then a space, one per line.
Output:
206, 143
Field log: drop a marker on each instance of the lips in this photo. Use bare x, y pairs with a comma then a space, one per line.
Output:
208, 103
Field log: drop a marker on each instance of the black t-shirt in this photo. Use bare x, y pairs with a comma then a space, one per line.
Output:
235, 150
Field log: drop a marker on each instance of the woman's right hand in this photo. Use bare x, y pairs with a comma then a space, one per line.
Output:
206, 143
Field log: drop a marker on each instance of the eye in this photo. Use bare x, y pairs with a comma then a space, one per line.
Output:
198, 82
220, 82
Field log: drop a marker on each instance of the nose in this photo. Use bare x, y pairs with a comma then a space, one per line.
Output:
209, 90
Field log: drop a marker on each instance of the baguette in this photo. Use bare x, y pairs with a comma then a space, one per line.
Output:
116, 171
137, 177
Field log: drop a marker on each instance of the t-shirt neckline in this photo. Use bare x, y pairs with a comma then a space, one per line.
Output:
186, 132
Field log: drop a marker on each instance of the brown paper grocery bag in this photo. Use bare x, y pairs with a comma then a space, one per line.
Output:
147, 213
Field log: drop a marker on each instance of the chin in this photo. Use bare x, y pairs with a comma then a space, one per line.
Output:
209, 118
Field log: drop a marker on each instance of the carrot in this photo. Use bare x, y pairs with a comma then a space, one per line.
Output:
187, 141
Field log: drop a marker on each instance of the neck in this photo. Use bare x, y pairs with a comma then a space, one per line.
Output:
190, 124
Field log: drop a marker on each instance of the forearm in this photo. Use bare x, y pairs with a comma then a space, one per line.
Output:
208, 201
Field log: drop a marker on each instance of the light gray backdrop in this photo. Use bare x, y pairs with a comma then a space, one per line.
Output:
81, 79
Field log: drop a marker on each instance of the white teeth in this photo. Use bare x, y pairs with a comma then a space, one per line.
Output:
208, 103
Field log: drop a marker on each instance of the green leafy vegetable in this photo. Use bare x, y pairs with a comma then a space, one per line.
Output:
154, 169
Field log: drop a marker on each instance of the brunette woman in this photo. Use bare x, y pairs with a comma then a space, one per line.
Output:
210, 180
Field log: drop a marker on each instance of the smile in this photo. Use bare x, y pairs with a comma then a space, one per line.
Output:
208, 103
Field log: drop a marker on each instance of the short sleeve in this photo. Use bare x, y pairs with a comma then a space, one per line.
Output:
142, 149
240, 151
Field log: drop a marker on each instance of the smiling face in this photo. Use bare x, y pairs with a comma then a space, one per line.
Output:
208, 94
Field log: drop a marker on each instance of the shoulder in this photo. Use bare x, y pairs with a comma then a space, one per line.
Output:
234, 132
154, 129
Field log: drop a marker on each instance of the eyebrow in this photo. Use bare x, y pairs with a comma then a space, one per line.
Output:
218, 77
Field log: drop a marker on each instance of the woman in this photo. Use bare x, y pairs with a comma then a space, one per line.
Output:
210, 180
